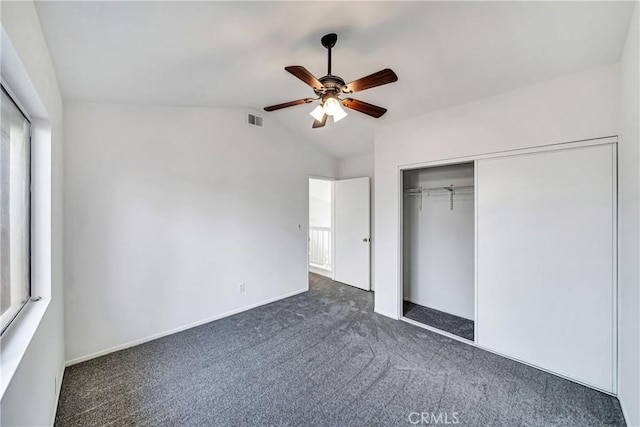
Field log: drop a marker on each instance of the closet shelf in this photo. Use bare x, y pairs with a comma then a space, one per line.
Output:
449, 190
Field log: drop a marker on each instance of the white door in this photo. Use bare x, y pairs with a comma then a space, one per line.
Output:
352, 247
546, 291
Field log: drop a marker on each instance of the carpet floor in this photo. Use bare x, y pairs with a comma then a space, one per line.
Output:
439, 319
321, 358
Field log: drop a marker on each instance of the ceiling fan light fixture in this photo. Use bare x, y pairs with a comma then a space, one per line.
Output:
331, 106
339, 114
317, 113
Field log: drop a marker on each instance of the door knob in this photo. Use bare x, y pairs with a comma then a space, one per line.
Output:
365, 239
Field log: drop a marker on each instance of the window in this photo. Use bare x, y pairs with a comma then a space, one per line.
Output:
15, 198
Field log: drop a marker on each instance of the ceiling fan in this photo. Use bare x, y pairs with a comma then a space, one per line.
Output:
330, 87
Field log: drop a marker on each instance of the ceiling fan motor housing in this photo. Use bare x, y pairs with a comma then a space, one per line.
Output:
331, 85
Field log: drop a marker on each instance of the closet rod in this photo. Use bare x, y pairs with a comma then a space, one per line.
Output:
445, 189
449, 190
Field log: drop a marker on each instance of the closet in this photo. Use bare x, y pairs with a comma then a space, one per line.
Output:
438, 248
515, 252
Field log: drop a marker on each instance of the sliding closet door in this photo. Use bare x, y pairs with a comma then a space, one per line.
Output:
545, 260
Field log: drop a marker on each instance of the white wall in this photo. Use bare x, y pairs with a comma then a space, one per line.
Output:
574, 107
31, 396
358, 167
169, 209
439, 255
629, 192
320, 212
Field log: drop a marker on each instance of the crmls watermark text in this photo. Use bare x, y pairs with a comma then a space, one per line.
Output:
433, 418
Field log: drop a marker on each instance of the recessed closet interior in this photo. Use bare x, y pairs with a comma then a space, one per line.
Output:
438, 248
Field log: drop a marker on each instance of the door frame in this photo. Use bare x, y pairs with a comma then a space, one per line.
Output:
508, 153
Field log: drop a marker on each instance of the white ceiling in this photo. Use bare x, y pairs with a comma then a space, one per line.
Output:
233, 54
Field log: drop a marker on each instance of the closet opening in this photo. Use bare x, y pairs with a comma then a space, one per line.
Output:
439, 248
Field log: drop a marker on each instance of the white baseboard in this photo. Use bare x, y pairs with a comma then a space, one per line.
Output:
179, 329
321, 271
57, 399
624, 413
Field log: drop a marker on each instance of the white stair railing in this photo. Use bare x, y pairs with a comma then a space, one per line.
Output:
320, 247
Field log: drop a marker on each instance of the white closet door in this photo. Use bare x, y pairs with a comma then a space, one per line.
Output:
546, 294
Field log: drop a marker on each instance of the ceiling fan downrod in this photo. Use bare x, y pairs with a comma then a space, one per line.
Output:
329, 41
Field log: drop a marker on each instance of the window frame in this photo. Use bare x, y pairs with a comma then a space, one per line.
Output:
13, 316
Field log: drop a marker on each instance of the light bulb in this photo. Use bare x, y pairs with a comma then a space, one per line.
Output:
317, 113
331, 105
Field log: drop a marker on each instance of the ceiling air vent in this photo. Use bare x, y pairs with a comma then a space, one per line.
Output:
255, 120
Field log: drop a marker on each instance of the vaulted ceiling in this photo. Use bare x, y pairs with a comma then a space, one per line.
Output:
233, 54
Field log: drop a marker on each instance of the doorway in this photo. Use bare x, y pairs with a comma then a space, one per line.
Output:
321, 227
339, 230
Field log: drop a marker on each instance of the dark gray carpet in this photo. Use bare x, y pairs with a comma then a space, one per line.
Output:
322, 358
439, 319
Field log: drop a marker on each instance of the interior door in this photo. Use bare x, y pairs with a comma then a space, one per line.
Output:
352, 243
546, 290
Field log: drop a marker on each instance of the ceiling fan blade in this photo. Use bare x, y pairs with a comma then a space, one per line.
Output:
363, 107
319, 124
304, 75
380, 78
288, 104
